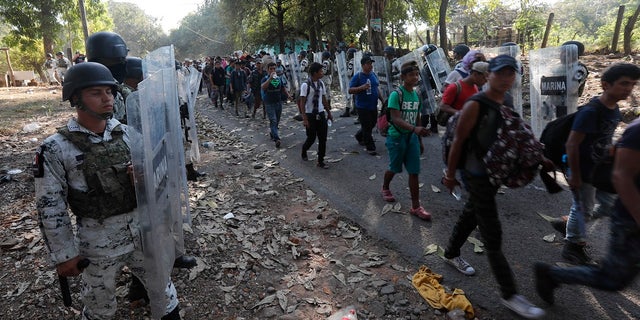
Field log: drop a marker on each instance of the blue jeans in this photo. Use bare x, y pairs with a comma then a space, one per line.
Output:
274, 112
619, 267
582, 209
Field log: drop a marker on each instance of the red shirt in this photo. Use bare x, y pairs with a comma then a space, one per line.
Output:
466, 91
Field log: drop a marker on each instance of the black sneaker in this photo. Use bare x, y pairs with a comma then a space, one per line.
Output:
544, 284
298, 117
277, 143
304, 156
576, 254
560, 225
322, 165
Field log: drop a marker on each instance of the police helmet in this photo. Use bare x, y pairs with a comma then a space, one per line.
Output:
49, 55
428, 48
390, 50
578, 44
352, 50
461, 49
326, 55
303, 53
134, 68
106, 45
59, 53
508, 44
84, 75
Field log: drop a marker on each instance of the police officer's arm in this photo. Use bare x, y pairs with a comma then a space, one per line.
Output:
466, 122
55, 224
573, 157
626, 169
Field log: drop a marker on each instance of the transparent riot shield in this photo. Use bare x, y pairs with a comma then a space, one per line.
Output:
426, 85
439, 67
284, 60
357, 67
554, 84
343, 77
516, 89
294, 68
381, 68
194, 79
158, 161
317, 57
397, 63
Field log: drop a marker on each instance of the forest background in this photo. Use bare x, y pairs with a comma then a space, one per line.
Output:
31, 28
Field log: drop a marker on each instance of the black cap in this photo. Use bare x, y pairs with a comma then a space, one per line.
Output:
366, 59
503, 61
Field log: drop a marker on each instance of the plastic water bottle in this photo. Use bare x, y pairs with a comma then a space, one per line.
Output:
329, 123
369, 88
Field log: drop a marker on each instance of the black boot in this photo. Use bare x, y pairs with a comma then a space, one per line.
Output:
137, 290
173, 315
346, 113
185, 262
192, 174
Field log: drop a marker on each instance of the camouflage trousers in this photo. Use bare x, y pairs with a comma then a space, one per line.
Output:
619, 267
110, 245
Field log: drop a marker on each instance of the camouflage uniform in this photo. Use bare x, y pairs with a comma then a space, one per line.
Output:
109, 241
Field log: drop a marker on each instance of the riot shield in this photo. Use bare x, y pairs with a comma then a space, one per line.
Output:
194, 79
158, 161
294, 68
439, 67
343, 76
554, 84
284, 59
317, 57
426, 84
381, 68
516, 89
357, 66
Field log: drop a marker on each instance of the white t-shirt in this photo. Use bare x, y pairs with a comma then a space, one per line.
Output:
308, 106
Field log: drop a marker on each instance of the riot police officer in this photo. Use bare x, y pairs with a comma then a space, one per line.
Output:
85, 167
110, 50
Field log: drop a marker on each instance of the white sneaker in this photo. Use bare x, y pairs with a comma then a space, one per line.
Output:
461, 265
523, 307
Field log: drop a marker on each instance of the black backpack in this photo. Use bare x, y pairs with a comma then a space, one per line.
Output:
555, 135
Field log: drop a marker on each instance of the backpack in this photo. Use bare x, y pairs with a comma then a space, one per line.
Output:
554, 137
384, 118
511, 154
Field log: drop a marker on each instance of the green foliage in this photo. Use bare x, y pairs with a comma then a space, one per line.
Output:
141, 32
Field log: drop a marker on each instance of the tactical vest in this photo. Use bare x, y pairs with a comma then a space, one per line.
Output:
110, 191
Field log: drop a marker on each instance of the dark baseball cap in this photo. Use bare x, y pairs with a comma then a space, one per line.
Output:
503, 61
366, 59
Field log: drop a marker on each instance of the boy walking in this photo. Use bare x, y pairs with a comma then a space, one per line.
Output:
313, 106
403, 141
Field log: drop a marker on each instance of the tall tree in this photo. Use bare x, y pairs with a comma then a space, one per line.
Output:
141, 32
374, 12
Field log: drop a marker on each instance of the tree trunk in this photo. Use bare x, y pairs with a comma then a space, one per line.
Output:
547, 31
616, 31
281, 39
628, 30
47, 25
442, 25
375, 10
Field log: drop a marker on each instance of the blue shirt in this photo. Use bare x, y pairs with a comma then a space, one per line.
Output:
364, 100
